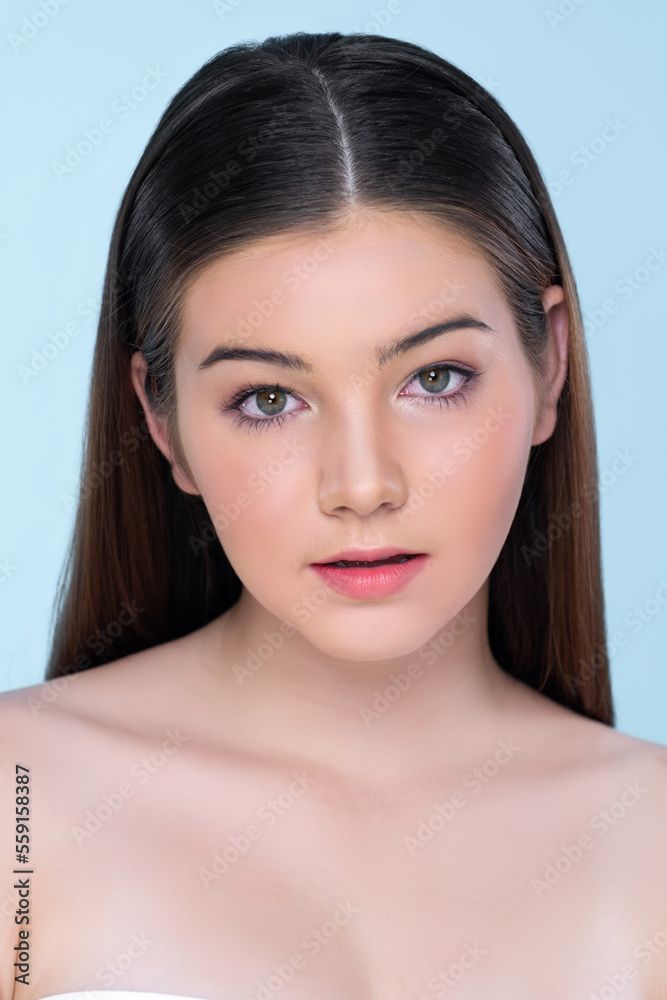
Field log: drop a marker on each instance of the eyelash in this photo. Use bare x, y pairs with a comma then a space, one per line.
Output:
257, 423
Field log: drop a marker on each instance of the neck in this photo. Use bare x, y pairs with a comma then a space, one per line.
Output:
382, 719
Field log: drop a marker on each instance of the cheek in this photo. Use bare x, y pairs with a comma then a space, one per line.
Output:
480, 497
461, 505
249, 487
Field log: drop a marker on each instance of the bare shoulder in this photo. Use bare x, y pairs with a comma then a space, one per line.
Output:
72, 731
24, 759
14, 834
610, 790
41, 724
639, 815
57, 725
623, 749
609, 758
617, 780
635, 758
61, 741
642, 768
584, 744
629, 820
93, 696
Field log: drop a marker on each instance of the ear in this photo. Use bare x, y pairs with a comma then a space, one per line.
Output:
553, 378
158, 424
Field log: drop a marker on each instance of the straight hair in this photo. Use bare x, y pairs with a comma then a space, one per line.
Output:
290, 135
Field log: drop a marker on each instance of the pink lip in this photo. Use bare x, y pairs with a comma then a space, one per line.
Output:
370, 581
368, 555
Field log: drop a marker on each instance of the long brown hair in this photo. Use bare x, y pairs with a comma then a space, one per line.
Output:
283, 135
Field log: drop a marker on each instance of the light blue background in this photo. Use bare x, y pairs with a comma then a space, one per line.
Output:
561, 76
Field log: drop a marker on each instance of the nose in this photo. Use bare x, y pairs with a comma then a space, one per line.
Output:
360, 468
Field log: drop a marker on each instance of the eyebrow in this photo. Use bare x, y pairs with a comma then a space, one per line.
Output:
383, 355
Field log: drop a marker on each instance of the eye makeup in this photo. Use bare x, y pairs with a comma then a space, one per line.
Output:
276, 393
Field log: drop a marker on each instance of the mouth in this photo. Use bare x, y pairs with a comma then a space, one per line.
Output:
379, 556
366, 579
399, 558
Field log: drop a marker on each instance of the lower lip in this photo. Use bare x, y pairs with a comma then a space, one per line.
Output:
371, 581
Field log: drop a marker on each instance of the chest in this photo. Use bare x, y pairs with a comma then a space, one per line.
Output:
246, 888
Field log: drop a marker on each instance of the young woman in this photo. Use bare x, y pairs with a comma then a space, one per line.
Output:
328, 711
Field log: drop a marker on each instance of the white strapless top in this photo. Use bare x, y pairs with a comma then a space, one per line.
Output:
126, 994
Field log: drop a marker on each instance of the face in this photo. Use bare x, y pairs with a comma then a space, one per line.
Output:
349, 440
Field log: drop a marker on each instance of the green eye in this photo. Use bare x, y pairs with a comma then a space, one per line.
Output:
269, 401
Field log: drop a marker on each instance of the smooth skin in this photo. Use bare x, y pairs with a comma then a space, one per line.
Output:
316, 796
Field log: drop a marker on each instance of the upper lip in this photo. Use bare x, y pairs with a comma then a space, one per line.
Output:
368, 555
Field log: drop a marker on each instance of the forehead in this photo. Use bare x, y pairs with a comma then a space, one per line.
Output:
378, 273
